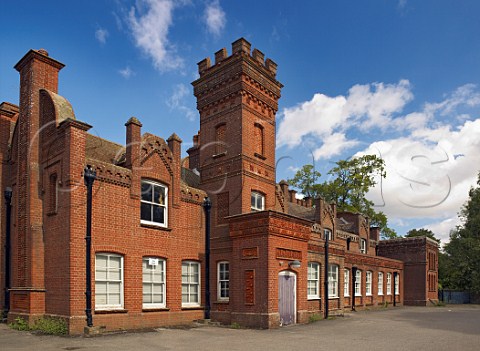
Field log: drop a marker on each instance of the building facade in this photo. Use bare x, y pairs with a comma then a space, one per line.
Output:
267, 258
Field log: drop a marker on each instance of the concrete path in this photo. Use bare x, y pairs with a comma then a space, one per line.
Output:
409, 328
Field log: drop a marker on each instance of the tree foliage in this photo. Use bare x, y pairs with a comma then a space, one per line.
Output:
459, 265
422, 232
348, 186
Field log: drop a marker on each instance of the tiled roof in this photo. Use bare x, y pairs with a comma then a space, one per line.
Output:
301, 211
103, 150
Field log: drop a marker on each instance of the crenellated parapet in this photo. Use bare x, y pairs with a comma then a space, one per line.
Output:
242, 48
244, 76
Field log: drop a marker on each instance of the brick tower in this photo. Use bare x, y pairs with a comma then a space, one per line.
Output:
237, 98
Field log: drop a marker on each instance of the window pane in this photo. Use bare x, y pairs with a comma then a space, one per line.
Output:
115, 262
100, 298
114, 274
114, 299
147, 298
146, 212
147, 191
253, 200
158, 214
100, 274
101, 261
158, 298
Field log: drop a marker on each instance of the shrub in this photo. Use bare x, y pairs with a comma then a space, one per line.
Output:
19, 324
315, 317
46, 325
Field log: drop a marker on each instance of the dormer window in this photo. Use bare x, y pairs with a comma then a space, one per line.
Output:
327, 233
154, 203
363, 246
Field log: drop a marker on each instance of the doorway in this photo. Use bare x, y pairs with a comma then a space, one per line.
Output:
287, 299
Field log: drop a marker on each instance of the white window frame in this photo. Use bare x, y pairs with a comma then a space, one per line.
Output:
155, 280
389, 283
346, 282
380, 283
255, 196
313, 276
328, 232
223, 284
153, 204
358, 283
108, 281
396, 285
368, 283
188, 283
363, 246
332, 281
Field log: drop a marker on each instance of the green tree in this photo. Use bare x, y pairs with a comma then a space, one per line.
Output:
350, 182
422, 232
306, 180
461, 258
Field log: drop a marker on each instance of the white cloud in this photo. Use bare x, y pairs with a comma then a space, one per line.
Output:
334, 145
177, 101
149, 22
215, 18
432, 154
126, 72
442, 229
101, 35
429, 174
365, 106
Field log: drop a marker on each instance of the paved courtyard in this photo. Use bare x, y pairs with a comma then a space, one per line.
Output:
408, 328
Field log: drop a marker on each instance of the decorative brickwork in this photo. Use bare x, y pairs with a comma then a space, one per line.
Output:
147, 207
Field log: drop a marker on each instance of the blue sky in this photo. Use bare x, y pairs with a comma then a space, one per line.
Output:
398, 78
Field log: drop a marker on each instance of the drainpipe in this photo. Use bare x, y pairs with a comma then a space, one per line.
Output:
354, 280
8, 207
89, 176
326, 275
394, 288
207, 205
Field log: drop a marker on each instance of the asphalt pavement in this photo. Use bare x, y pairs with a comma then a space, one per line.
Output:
454, 327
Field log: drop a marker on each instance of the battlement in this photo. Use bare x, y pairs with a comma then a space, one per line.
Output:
239, 47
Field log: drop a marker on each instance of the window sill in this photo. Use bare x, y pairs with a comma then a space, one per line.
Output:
219, 155
164, 309
222, 302
314, 298
110, 311
153, 226
334, 298
190, 308
260, 156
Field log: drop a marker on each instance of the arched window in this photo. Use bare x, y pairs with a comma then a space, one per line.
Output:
333, 280
53, 195
259, 140
108, 281
223, 280
313, 281
346, 282
358, 283
220, 139
153, 270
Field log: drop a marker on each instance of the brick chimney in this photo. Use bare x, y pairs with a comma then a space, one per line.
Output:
175, 146
134, 140
37, 71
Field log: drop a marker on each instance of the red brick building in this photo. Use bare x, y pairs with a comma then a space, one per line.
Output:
267, 261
